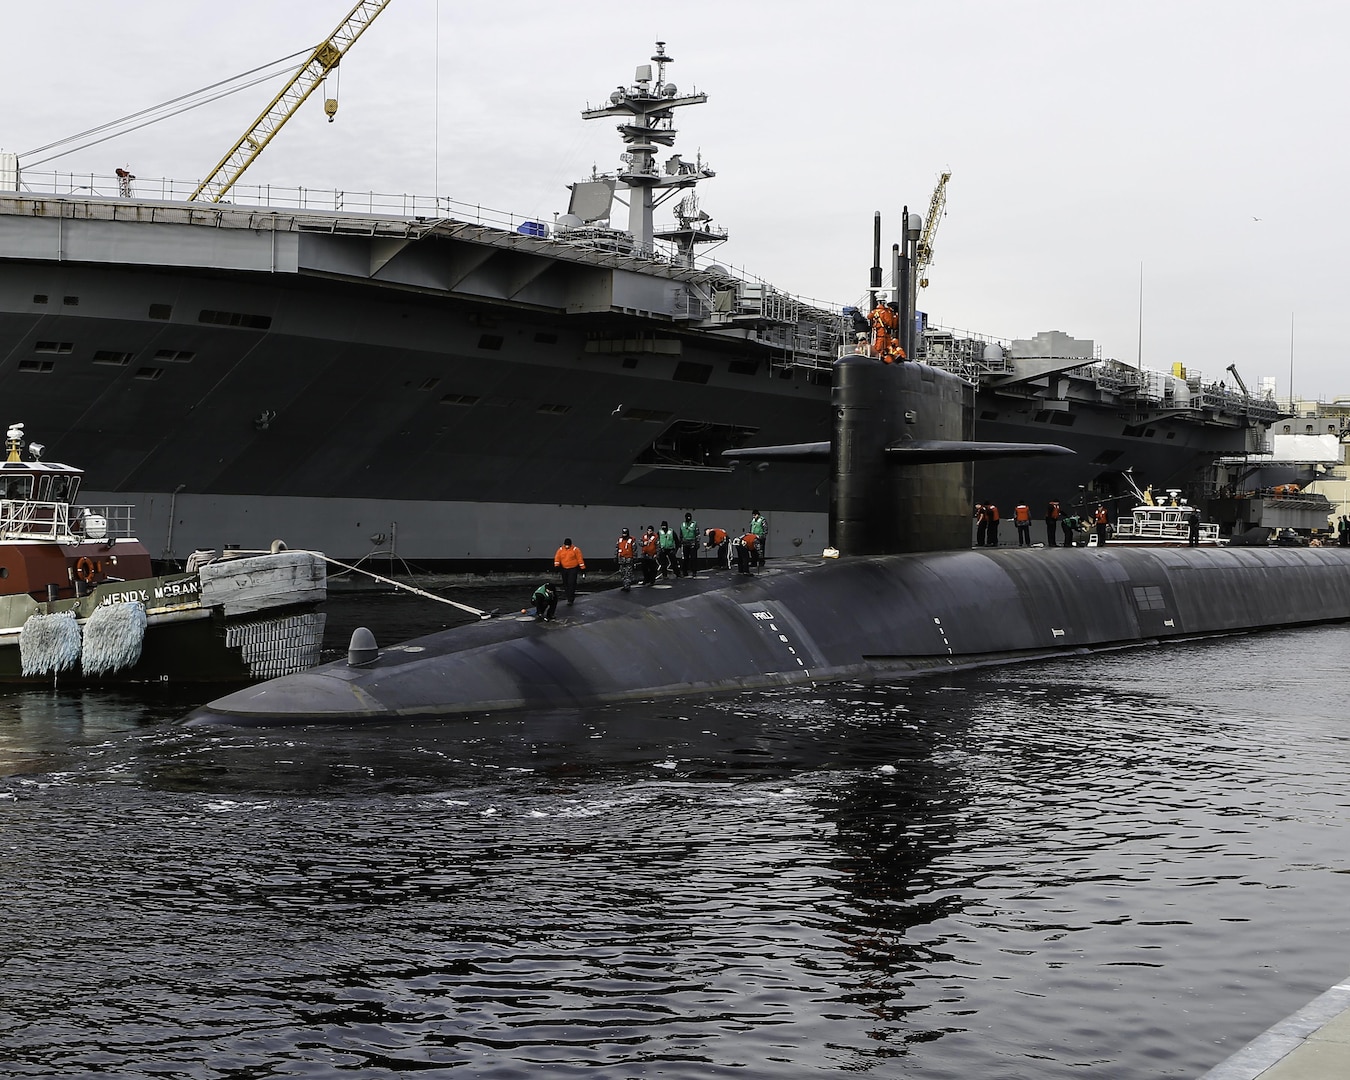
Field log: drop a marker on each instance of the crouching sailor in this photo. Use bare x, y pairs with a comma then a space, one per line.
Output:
746, 552
717, 538
545, 602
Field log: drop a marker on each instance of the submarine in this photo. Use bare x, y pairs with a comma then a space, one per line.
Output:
900, 593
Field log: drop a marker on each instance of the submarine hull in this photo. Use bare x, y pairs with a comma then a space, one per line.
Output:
815, 620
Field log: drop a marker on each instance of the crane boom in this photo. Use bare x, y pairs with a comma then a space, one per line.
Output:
322, 60
925, 247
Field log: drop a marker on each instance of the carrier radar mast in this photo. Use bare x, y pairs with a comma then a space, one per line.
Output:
647, 107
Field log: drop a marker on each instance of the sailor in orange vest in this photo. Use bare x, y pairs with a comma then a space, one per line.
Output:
717, 538
625, 549
1022, 519
747, 547
992, 511
649, 547
1100, 519
1052, 515
885, 341
569, 561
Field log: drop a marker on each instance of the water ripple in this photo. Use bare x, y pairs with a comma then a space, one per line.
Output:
1025, 872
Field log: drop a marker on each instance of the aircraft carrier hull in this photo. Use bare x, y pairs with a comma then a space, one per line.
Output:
456, 395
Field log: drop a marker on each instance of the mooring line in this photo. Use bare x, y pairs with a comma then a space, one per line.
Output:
408, 588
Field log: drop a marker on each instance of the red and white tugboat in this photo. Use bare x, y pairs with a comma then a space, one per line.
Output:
79, 598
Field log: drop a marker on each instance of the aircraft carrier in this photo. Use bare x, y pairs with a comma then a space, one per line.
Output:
425, 381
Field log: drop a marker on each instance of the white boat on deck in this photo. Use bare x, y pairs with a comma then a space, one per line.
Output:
1166, 524
80, 601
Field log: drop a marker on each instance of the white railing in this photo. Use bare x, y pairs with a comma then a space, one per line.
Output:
1174, 528
23, 519
118, 516
323, 200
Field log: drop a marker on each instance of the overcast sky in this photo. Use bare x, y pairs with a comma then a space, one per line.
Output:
1198, 144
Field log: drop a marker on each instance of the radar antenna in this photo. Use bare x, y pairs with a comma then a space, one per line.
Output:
646, 110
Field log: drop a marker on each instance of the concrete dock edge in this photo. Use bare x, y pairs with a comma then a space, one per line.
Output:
1309, 1045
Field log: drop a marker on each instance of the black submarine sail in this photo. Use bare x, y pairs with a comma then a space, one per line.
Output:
901, 457
902, 447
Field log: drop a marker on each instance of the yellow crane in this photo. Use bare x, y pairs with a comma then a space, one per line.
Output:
924, 253
312, 73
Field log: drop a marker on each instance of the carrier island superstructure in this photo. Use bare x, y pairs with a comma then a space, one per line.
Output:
416, 377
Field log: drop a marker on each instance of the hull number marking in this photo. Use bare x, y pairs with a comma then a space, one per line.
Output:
768, 620
942, 633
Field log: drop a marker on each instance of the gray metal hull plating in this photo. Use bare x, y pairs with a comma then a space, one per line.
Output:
469, 396
862, 618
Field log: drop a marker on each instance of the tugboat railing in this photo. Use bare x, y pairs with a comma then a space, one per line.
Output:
24, 519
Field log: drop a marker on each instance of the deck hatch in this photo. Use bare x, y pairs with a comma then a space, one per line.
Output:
1149, 598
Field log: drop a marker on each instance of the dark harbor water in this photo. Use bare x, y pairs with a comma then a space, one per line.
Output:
1122, 866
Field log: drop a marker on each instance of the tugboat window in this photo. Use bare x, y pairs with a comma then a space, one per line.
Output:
18, 488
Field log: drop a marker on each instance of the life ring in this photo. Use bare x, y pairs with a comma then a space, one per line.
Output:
86, 569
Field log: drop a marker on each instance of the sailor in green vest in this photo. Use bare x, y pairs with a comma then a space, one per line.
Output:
545, 602
689, 544
667, 553
759, 527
